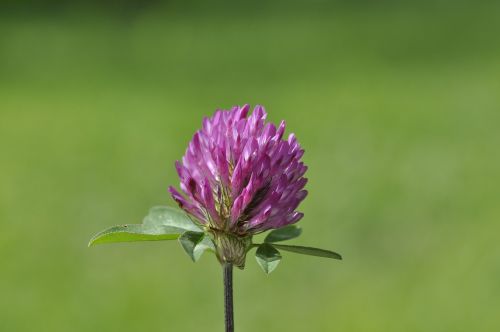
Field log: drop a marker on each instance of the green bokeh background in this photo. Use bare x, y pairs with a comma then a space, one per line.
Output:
396, 103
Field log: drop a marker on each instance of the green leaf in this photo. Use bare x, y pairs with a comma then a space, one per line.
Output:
309, 251
268, 257
189, 240
162, 223
136, 232
283, 234
169, 216
202, 246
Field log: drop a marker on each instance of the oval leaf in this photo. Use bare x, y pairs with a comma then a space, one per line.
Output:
169, 216
283, 234
135, 232
268, 257
161, 223
189, 240
309, 251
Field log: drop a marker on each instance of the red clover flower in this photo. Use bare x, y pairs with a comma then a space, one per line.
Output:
240, 177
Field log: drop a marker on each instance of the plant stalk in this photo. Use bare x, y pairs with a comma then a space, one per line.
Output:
228, 296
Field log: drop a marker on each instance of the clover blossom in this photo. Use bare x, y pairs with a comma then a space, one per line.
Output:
239, 175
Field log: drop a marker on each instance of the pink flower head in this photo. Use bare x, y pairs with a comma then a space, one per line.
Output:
240, 176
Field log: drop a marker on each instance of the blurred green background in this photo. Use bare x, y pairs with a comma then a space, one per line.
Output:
396, 103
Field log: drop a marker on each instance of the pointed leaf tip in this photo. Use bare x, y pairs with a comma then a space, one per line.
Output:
135, 232
268, 257
309, 251
161, 223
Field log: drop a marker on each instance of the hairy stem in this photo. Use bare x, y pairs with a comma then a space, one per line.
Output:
228, 296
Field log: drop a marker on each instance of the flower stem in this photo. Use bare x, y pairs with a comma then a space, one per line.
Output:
228, 296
